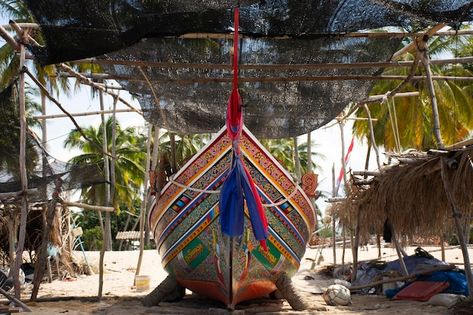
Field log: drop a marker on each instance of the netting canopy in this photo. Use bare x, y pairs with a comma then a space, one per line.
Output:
41, 178
191, 99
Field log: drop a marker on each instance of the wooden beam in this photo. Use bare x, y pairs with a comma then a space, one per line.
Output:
33, 26
366, 173
97, 112
85, 80
460, 144
21, 33
413, 46
267, 67
88, 207
9, 39
267, 79
336, 199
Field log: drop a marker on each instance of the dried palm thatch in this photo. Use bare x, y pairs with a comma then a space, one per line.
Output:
411, 195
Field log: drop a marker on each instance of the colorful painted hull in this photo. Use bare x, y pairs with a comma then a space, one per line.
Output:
187, 231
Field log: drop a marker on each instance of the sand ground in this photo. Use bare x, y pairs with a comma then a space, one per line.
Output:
121, 298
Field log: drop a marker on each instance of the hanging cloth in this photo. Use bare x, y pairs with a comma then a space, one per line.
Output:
239, 188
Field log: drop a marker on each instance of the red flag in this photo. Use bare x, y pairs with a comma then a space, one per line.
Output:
347, 158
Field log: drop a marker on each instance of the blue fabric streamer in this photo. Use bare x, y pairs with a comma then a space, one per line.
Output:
231, 202
235, 190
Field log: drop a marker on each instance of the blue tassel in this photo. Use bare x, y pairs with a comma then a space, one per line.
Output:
231, 202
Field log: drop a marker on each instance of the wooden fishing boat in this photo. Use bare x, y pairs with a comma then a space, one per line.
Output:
188, 234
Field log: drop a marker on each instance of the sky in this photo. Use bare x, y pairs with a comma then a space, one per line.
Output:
327, 141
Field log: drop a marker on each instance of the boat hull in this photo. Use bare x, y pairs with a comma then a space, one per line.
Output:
187, 232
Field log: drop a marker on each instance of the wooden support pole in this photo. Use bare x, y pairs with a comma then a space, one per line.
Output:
310, 170
413, 46
398, 251
456, 212
372, 136
84, 80
23, 177
345, 182
15, 300
267, 79
297, 161
98, 112
144, 202
42, 258
172, 139
366, 173
266, 67
404, 278
106, 246
334, 195
433, 98
56, 102
106, 167
88, 207
9, 39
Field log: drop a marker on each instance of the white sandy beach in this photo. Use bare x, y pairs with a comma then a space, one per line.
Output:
121, 298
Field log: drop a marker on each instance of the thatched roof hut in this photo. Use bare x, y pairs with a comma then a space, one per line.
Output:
411, 194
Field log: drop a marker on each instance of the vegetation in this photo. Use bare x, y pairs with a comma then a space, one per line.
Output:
414, 114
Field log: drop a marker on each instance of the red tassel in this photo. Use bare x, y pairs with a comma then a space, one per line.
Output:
264, 245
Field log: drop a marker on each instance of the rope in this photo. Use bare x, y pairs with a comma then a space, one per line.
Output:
269, 205
206, 191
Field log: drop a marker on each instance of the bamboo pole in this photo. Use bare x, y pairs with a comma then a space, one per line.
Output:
268, 79
433, 98
98, 112
15, 300
106, 236
310, 170
106, 167
9, 39
172, 139
84, 80
334, 194
456, 213
114, 151
43, 250
372, 136
58, 104
345, 182
144, 202
23, 177
398, 250
404, 278
297, 161
153, 167
87, 206
413, 46
265, 67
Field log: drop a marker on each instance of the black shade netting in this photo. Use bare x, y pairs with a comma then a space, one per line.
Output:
42, 169
190, 101
275, 32
84, 28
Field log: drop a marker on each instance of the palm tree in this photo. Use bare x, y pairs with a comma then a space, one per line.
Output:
414, 114
129, 163
283, 151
